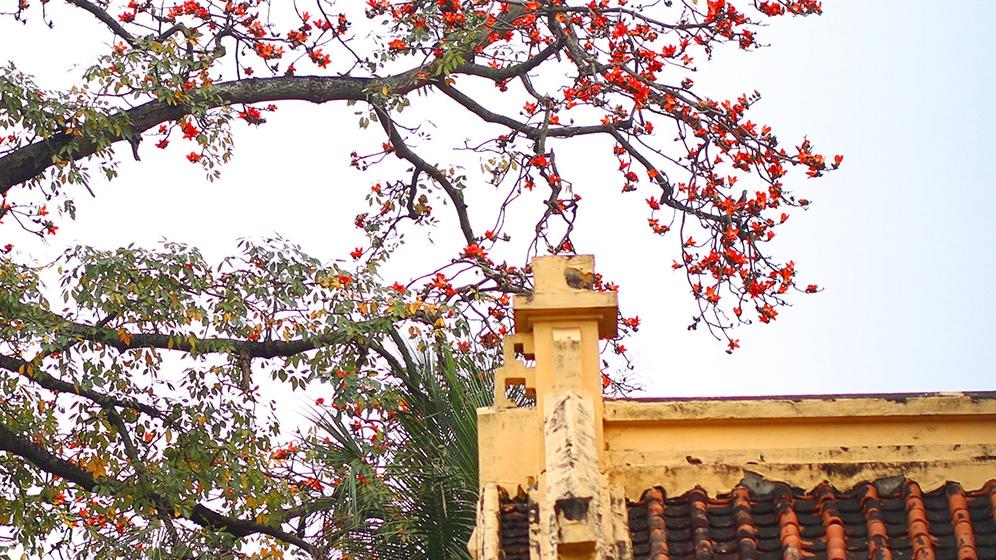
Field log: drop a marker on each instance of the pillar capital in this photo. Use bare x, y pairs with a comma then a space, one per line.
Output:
563, 291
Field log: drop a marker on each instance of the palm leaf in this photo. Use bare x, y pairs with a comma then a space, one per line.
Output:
422, 505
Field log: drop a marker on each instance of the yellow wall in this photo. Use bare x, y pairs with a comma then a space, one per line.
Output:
843, 440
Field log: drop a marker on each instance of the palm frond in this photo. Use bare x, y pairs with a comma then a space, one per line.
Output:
418, 501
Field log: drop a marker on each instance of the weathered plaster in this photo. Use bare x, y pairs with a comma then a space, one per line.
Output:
842, 440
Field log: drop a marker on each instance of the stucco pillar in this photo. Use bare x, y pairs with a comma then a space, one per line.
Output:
555, 449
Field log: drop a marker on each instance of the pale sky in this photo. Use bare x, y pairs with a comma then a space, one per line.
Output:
899, 237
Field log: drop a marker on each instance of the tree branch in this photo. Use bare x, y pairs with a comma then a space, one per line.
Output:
262, 349
45, 460
212, 345
530, 131
28, 370
508, 72
404, 152
30, 161
668, 197
202, 515
105, 18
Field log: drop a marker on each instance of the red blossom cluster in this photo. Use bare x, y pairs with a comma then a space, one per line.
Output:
705, 169
188, 8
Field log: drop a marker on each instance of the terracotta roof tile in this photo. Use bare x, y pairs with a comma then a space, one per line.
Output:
746, 531
656, 526
918, 528
888, 520
513, 519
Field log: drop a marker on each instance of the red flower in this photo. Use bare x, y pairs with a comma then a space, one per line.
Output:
767, 313
474, 251
267, 51
190, 131
539, 161
251, 115
397, 45
711, 296
319, 58
194, 157
356, 253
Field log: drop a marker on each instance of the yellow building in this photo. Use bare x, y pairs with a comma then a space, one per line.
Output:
578, 476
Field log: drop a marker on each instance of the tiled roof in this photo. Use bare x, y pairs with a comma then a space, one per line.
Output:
513, 525
889, 519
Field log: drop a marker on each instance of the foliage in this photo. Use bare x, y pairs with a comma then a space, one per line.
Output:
420, 502
132, 416
119, 447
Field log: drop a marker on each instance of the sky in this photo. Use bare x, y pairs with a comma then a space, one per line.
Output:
899, 238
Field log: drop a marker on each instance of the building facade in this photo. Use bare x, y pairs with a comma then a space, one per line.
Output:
567, 474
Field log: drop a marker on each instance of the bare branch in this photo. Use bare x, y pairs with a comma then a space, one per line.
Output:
402, 150
531, 131
105, 18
